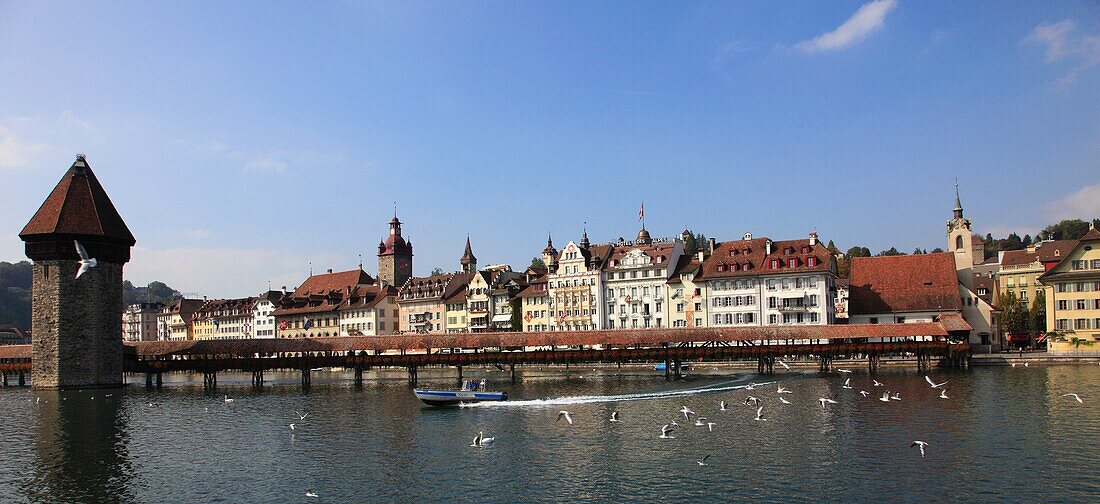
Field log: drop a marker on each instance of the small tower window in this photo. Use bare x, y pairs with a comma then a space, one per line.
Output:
959, 243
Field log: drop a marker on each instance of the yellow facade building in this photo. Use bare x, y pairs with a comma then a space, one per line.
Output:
1019, 270
1073, 297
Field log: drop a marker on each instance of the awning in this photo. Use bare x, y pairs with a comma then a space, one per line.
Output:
502, 318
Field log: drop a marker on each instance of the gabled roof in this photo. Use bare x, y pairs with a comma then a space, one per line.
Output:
1019, 258
434, 287
1055, 250
1058, 271
325, 283
905, 283
750, 257
78, 205
658, 254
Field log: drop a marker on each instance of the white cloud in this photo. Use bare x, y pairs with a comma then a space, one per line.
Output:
868, 19
1062, 44
228, 272
1083, 204
196, 234
70, 120
16, 152
266, 164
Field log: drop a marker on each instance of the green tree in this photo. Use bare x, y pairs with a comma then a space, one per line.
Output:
537, 264
1038, 313
858, 251
517, 315
937, 250
437, 271
1068, 229
691, 247
1014, 315
892, 251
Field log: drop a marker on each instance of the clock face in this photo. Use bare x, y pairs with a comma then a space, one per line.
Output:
403, 265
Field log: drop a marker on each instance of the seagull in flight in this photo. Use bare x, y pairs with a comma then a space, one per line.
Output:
699, 421
932, 383
666, 432
943, 394
673, 423
292, 426
614, 416
86, 263
1025, 364
722, 406
877, 383
710, 426
751, 400
703, 461
864, 393
565, 414
784, 364
825, 400
784, 401
687, 412
885, 396
782, 390
309, 493
228, 399
301, 416
760, 414
847, 384
849, 371
896, 396
1075, 396
921, 445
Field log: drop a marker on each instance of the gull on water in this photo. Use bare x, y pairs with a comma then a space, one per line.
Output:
782, 390
825, 400
760, 414
943, 394
849, 371
687, 412
565, 414
703, 461
614, 416
721, 405
877, 383
885, 396
751, 400
1075, 396
932, 383
86, 263
309, 493
784, 401
228, 399
847, 384
666, 432
750, 386
921, 445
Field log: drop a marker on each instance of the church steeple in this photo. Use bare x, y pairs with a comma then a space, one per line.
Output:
468, 261
958, 202
584, 237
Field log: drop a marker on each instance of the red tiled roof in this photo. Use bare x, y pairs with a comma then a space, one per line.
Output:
1055, 250
1019, 258
905, 283
15, 351
1093, 234
619, 337
976, 240
78, 205
227, 308
658, 254
749, 257
435, 287
325, 283
953, 322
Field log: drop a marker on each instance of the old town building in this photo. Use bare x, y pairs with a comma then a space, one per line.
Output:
504, 288
1073, 297
313, 309
174, 320
369, 310
686, 298
263, 318
757, 281
635, 279
535, 305
394, 257
903, 289
422, 302
139, 321
576, 296
224, 319
1020, 269
981, 315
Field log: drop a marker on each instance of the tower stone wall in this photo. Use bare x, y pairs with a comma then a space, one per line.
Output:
76, 325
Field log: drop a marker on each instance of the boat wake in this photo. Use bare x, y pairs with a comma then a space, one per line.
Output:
641, 396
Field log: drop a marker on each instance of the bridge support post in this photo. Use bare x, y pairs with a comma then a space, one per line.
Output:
459, 374
358, 377
512, 368
258, 378
210, 379
5, 376
22, 379
306, 378
873, 363
148, 380
412, 375
677, 373
160, 379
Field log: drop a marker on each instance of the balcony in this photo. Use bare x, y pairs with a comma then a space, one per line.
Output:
792, 308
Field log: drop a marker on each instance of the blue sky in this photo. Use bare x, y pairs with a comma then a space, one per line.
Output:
243, 141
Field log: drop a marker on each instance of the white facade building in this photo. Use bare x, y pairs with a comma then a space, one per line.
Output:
635, 282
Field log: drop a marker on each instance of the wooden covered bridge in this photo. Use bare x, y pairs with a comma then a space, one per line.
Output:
944, 340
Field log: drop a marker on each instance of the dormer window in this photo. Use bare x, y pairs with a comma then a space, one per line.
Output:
792, 263
721, 267
775, 263
736, 267
811, 261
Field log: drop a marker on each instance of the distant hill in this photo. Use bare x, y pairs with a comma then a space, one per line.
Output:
15, 293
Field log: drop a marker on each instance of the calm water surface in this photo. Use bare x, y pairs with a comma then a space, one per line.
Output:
1004, 435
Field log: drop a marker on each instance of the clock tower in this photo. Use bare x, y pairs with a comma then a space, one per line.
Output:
395, 256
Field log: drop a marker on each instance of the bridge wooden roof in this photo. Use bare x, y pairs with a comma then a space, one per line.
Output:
618, 337
15, 351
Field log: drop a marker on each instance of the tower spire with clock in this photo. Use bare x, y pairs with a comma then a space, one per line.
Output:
395, 255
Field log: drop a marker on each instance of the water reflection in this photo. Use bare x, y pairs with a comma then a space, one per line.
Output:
80, 447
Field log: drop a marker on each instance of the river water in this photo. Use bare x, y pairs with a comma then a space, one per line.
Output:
1004, 434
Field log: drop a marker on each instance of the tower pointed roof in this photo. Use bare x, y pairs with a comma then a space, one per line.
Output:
549, 250
468, 255
584, 238
958, 202
78, 205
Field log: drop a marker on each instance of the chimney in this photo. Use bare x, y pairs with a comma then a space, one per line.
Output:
713, 245
768, 247
813, 238
284, 290
702, 255
748, 236
328, 270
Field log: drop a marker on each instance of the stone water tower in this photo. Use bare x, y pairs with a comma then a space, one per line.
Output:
76, 323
